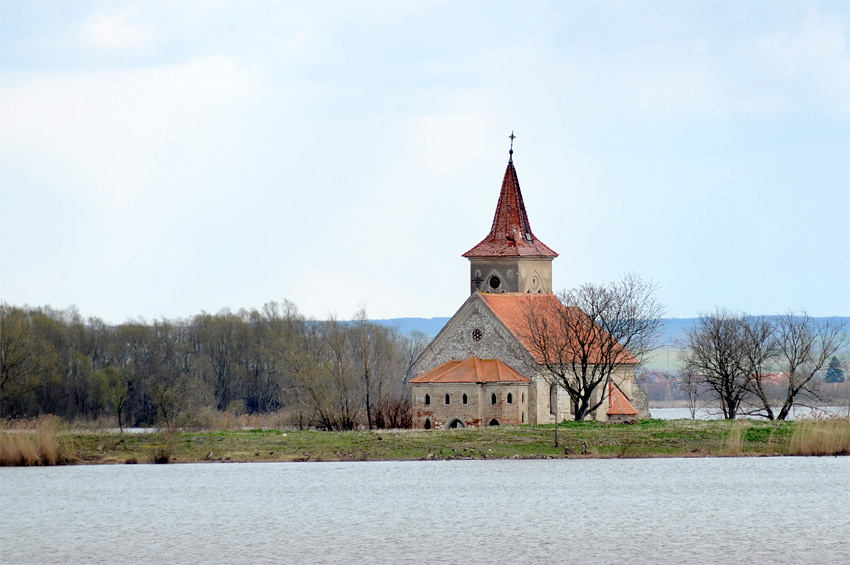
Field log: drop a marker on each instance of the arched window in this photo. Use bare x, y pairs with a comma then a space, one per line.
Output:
494, 422
448, 399
427, 424
427, 399
464, 398
456, 424
493, 398
523, 418
510, 398
522, 398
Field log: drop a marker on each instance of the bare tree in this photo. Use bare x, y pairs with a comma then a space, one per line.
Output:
732, 353
691, 385
116, 388
363, 337
805, 346
759, 348
590, 332
715, 352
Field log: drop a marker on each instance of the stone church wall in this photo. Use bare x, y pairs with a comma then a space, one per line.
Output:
479, 409
457, 342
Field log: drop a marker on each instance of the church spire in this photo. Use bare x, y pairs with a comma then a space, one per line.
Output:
510, 235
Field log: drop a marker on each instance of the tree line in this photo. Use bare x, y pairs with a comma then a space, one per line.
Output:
331, 374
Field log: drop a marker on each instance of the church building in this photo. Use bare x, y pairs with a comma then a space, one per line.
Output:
482, 367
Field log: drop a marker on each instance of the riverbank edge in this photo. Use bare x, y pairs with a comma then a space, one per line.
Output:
577, 440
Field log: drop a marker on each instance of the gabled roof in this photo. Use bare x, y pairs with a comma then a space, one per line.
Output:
618, 402
472, 370
510, 235
512, 309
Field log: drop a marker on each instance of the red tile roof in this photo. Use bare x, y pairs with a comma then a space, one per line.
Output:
618, 402
510, 234
472, 370
513, 308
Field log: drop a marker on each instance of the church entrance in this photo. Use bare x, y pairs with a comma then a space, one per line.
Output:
456, 424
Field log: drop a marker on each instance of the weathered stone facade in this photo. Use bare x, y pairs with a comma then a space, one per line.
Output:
510, 275
486, 404
457, 341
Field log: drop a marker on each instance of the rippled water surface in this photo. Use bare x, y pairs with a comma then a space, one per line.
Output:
725, 510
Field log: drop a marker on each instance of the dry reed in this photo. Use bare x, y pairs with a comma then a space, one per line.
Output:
33, 442
821, 436
735, 439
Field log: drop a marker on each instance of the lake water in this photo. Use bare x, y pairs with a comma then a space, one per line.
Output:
723, 510
714, 413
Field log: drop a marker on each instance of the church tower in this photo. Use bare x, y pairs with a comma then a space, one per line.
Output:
510, 258
483, 368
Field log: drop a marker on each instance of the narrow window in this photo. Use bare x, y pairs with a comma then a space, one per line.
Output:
464, 398
427, 399
448, 399
522, 398
510, 398
523, 418
493, 398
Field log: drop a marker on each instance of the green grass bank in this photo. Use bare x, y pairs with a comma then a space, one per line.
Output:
649, 438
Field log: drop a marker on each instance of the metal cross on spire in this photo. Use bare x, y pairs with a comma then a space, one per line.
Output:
511, 152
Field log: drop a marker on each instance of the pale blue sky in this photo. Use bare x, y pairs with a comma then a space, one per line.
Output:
164, 158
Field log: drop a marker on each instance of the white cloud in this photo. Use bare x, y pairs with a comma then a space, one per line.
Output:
115, 132
339, 156
123, 29
810, 61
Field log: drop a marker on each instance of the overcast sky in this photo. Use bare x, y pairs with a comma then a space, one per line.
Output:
159, 159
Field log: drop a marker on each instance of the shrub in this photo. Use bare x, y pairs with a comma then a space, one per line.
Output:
162, 453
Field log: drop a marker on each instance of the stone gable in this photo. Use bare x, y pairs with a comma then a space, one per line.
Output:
457, 341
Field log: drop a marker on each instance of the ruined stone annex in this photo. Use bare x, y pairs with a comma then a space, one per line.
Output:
482, 368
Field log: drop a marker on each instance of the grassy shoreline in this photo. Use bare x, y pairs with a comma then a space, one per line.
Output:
649, 438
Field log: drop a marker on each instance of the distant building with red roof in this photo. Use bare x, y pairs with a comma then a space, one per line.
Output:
482, 368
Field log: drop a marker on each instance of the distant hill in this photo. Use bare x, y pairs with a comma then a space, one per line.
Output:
428, 326
674, 328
